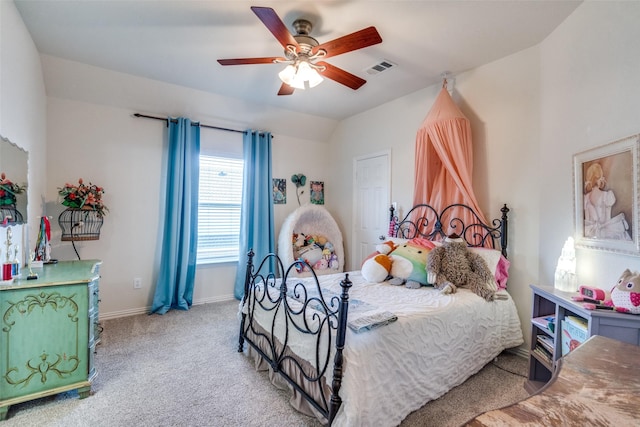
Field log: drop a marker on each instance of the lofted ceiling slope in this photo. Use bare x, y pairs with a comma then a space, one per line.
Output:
179, 42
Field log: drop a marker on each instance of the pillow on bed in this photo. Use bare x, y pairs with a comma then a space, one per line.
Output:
420, 241
497, 264
502, 272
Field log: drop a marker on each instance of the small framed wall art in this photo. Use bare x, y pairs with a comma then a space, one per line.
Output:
317, 192
606, 183
279, 191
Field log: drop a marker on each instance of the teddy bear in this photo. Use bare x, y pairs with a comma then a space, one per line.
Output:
625, 295
453, 265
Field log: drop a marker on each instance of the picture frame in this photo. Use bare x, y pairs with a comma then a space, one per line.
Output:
316, 192
606, 206
279, 191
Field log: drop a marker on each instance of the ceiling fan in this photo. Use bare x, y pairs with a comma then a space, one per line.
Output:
304, 55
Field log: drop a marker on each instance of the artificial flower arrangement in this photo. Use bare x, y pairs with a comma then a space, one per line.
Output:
83, 196
8, 190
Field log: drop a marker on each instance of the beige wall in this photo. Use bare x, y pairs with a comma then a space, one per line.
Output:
590, 96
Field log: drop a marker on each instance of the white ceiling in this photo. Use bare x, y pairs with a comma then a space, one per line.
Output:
179, 41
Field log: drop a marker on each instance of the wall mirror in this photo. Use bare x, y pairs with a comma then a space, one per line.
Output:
14, 163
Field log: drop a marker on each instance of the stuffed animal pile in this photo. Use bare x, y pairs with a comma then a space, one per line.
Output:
314, 250
455, 266
448, 267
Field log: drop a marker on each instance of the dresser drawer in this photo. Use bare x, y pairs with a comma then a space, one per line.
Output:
45, 336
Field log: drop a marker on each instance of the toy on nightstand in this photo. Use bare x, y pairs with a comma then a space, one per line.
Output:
593, 298
592, 293
625, 295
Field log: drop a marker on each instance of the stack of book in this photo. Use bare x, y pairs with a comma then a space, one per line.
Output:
545, 322
544, 348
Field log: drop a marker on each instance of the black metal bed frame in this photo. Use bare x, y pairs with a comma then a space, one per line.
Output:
269, 288
426, 222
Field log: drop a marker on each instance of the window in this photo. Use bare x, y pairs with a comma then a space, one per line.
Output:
220, 197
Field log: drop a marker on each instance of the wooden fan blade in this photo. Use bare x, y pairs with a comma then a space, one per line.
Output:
285, 89
341, 76
354, 41
247, 61
272, 21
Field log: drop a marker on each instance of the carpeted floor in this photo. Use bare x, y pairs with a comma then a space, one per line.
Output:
183, 369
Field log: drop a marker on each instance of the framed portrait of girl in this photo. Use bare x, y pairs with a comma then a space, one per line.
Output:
606, 197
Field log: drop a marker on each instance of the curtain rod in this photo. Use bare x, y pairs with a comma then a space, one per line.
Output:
192, 124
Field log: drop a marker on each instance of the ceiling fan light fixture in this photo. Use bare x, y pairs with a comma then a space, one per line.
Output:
296, 75
297, 81
287, 74
312, 76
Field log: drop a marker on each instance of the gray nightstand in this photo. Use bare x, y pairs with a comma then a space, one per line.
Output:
548, 301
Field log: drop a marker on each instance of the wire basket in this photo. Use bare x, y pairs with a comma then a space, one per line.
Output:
80, 224
10, 212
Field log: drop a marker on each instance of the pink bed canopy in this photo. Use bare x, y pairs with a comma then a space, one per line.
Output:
444, 160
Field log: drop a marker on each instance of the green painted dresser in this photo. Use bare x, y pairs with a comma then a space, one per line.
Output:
49, 330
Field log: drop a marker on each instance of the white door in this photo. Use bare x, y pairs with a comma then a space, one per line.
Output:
371, 204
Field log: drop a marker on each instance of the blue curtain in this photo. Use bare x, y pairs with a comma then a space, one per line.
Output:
174, 288
257, 229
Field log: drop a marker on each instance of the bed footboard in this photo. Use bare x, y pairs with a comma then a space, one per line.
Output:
297, 330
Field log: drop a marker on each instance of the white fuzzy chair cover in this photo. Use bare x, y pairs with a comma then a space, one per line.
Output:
310, 219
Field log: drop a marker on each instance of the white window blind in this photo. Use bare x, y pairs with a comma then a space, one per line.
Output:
220, 197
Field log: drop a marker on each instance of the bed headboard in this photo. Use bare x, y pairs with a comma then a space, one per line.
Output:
424, 221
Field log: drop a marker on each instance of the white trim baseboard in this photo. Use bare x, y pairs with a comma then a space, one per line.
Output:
145, 310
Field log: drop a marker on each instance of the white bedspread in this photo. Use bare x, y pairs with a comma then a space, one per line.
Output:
437, 343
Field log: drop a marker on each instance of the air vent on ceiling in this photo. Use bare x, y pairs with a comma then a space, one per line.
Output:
381, 66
